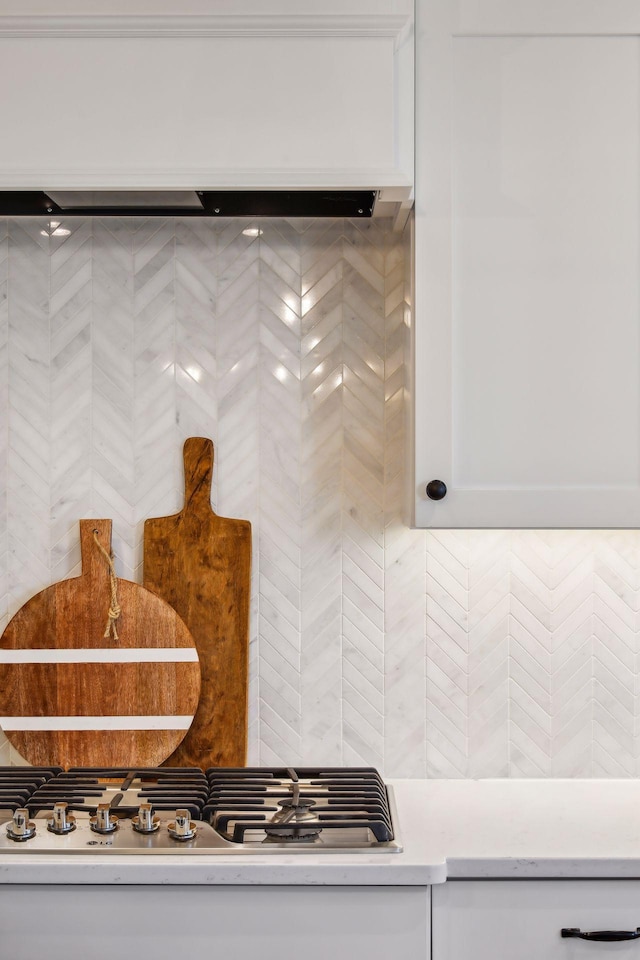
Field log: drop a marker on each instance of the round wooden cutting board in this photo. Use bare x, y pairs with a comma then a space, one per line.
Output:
72, 697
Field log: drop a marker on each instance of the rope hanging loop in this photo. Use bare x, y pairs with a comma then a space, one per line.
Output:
114, 607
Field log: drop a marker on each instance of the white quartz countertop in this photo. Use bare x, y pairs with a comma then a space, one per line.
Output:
448, 828
533, 828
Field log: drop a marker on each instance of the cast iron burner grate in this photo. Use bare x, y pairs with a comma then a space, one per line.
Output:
83, 788
331, 806
18, 784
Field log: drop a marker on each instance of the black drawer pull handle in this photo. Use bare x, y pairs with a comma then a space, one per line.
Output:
601, 934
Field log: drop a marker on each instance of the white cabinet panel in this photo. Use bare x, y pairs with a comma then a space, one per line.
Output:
527, 248
227, 100
240, 923
523, 919
545, 261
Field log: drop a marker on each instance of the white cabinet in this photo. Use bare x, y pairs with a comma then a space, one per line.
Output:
527, 301
248, 95
182, 922
523, 919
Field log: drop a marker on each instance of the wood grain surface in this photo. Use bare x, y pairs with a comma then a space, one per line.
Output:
201, 564
142, 696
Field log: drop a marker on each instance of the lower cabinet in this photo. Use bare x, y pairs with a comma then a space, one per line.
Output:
524, 919
182, 922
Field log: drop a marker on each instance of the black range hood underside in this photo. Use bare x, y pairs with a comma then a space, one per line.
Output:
188, 203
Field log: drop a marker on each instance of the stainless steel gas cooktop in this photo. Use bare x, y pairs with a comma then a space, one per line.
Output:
168, 810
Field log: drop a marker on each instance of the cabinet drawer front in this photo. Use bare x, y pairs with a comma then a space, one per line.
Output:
213, 922
522, 920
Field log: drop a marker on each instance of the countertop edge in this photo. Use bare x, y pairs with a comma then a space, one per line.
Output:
166, 871
543, 868
70, 869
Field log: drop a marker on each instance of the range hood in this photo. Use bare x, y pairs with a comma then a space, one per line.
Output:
255, 109
188, 203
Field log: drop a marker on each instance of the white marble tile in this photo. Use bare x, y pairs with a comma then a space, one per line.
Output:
456, 653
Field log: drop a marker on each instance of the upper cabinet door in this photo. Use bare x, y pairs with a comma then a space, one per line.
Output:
527, 285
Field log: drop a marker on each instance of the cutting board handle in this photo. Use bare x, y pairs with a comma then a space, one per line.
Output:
198, 474
93, 563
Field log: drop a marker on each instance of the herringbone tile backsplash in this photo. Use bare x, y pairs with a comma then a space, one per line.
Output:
463, 654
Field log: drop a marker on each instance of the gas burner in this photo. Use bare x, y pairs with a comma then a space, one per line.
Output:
299, 809
294, 810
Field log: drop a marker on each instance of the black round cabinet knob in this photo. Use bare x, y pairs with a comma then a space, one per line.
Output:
436, 490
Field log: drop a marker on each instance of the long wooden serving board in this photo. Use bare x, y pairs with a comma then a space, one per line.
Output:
70, 696
201, 564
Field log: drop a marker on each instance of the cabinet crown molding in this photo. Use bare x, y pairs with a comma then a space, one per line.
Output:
223, 25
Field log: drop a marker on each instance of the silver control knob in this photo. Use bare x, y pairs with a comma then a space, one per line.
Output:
21, 828
61, 822
104, 821
183, 828
145, 822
